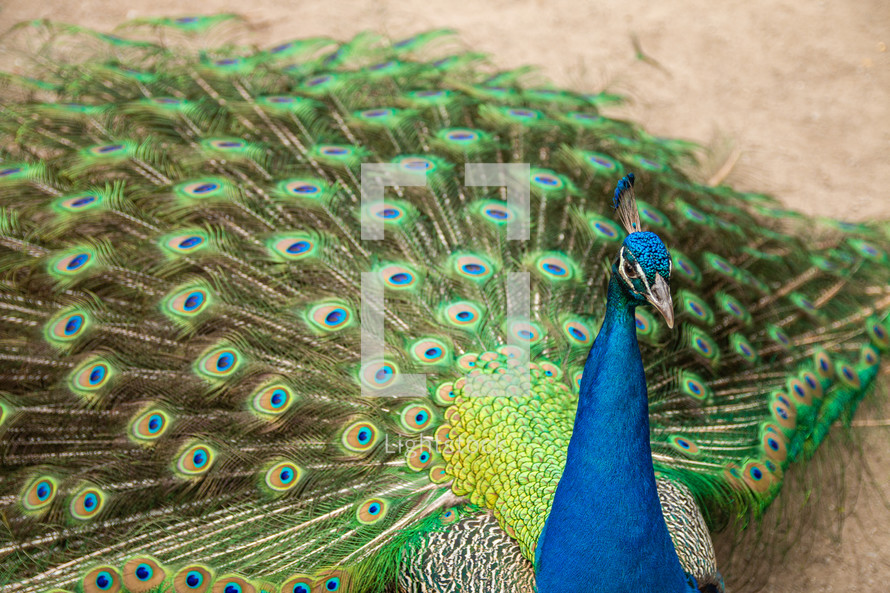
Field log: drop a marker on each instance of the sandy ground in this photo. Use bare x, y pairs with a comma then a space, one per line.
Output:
800, 89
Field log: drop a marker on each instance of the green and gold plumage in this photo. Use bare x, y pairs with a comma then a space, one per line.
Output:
183, 402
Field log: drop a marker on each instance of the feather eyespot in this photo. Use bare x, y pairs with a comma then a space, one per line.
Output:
298, 584
644, 322
869, 355
577, 332
150, 425
225, 144
360, 437
398, 277
39, 493
102, 579
444, 394
184, 242
774, 444
416, 418
283, 476
419, 457
743, 348
460, 135
330, 316
91, 376
778, 335
293, 247
219, 363
232, 583
143, 574
548, 181
371, 511
272, 400
463, 314
684, 445
473, 267
87, 503
496, 212
188, 302
209, 187
525, 332
848, 375
66, 327
604, 229
799, 392
193, 578
379, 375
303, 188
195, 460
757, 477
550, 369
73, 263
694, 386
878, 334
600, 162
812, 384
80, 202
555, 267
430, 351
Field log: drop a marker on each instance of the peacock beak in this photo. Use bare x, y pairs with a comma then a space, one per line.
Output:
660, 297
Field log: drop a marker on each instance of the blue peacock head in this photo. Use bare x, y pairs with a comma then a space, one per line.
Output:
643, 265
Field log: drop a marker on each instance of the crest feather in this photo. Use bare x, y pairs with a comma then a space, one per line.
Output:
626, 205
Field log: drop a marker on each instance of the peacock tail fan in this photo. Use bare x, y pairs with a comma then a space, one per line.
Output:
184, 404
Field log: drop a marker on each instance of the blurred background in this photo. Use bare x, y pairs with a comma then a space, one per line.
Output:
791, 98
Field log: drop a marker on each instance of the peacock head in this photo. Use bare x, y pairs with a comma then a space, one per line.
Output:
643, 265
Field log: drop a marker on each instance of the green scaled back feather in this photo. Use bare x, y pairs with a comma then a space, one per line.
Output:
182, 393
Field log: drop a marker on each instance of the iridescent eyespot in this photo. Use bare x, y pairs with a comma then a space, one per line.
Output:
430, 351
379, 375
472, 267
448, 516
39, 493
513, 351
312, 189
439, 474
91, 376
219, 363
143, 574
330, 316
463, 314
778, 335
693, 214
555, 267
459, 136
774, 444
702, 344
87, 503
184, 242
719, 264
66, 327
545, 180
496, 212
869, 355
651, 216
209, 187
335, 152
550, 369
102, 579
297, 584
80, 202
282, 476
522, 115
684, 445
648, 164
878, 334
741, 346
734, 307
525, 332
576, 379
799, 392
150, 425
109, 150
824, 364
187, 302
696, 307
332, 582
371, 511
577, 332
847, 374
804, 303
391, 211
416, 417
398, 277
73, 263
360, 436
293, 247
867, 250
467, 361
225, 144
694, 386
757, 477
272, 400
444, 394
645, 323
420, 457
604, 229
783, 411
685, 267
602, 163
195, 460
232, 583
812, 384
193, 578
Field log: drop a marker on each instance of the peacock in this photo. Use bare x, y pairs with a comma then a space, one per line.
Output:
375, 316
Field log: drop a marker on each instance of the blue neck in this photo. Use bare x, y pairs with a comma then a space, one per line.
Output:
605, 531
